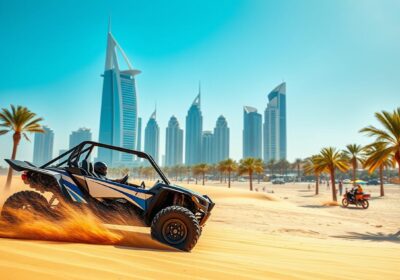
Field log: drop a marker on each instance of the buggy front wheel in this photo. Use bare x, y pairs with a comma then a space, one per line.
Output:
345, 202
176, 226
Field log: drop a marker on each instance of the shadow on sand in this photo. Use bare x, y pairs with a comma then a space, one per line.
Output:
371, 236
139, 241
315, 206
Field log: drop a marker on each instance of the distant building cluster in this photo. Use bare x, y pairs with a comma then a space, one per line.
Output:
121, 126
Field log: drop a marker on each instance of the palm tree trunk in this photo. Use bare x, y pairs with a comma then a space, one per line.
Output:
381, 179
354, 172
220, 177
317, 184
298, 173
397, 158
204, 174
16, 140
229, 179
334, 197
251, 180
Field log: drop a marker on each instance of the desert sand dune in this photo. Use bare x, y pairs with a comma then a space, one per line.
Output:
249, 236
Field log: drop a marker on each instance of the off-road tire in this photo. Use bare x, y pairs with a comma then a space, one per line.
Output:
179, 217
365, 204
35, 202
345, 202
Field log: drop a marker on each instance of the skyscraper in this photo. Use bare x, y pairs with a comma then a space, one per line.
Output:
43, 146
173, 143
207, 149
194, 129
221, 140
252, 127
76, 137
152, 137
139, 135
275, 125
118, 118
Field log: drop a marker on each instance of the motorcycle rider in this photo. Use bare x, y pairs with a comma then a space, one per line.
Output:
356, 190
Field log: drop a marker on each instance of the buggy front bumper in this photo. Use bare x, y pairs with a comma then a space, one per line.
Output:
205, 205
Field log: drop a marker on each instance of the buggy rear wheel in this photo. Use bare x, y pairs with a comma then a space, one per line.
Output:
176, 226
25, 204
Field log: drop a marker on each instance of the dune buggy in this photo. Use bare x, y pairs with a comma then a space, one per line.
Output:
175, 214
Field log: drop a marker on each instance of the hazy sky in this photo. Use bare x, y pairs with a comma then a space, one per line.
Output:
340, 59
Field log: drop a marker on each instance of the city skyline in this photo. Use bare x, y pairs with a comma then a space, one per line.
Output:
326, 65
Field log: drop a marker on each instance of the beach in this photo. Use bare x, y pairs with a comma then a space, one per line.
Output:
277, 232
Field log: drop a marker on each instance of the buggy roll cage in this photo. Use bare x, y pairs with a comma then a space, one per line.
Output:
77, 151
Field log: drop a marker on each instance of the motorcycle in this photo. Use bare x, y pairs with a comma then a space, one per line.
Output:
357, 200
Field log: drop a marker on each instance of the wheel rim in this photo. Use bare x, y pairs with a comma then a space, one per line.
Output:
345, 202
174, 231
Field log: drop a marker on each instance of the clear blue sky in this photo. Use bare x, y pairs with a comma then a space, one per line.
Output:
340, 59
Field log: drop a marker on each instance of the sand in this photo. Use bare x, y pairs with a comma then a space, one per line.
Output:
287, 234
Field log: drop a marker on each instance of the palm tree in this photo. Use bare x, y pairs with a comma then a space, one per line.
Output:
19, 120
310, 167
202, 169
271, 166
297, 164
389, 135
221, 169
378, 158
188, 171
249, 166
259, 169
328, 161
229, 166
355, 154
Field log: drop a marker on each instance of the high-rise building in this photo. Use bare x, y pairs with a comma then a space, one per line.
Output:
118, 118
207, 149
221, 140
152, 137
252, 127
194, 129
77, 137
173, 143
43, 146
275, 125
139, 137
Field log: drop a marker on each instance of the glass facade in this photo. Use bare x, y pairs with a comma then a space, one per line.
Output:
118, 120
194, 129
221, 140
275, 125
152, 138
173, 143
43, 146
207, 148
252, 127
